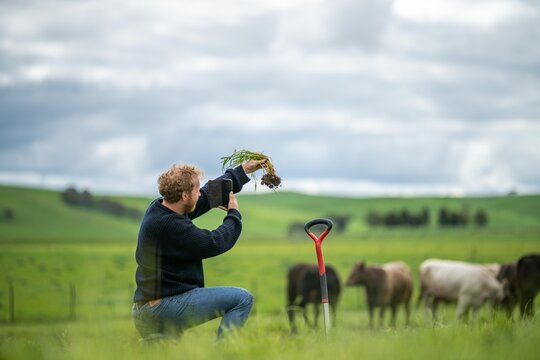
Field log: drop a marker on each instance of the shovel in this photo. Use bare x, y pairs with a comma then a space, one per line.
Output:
320, 260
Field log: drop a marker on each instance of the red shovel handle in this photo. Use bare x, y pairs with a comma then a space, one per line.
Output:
318, 240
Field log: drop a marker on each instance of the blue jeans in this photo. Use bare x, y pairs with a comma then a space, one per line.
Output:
174, 314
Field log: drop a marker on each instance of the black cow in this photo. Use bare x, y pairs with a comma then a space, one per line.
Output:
303, 287
507, 276
528, 279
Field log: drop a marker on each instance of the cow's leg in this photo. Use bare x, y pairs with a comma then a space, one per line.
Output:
290, 314
370, 310
434, 306
522, 305
316, 315
475, 309
291, 300
526, 304
393, 309
304, 307
462, 306
407, 306
427, 305
381, 316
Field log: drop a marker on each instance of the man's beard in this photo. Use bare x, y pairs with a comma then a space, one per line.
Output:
193, 206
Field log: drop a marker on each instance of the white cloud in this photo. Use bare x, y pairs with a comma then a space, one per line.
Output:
299, 29
479, 171
123, 156
480, 14
348, 187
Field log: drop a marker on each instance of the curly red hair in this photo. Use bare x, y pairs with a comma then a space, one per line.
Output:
179, 178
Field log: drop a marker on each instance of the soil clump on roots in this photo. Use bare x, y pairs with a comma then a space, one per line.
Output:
269, 179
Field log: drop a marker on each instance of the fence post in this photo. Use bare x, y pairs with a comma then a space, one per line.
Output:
72, 300
11, 292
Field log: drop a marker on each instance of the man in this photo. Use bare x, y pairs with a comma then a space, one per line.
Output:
170, 295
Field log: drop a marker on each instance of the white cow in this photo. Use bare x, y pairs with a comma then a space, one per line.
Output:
470, 284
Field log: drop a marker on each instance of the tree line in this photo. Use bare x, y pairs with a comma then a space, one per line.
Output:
445, 218
398, 218
85, 199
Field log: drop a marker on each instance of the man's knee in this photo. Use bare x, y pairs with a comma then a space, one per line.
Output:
246, 297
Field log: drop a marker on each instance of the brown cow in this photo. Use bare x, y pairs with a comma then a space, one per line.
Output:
303, 287
389, 284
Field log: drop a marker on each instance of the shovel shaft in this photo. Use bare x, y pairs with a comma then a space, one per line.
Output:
324, 288
324, 300
326, 314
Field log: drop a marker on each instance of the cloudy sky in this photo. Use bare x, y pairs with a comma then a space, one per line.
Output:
360, 97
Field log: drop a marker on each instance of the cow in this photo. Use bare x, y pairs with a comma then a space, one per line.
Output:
528, 280
507, 276
467, 283
304, 287
389, 284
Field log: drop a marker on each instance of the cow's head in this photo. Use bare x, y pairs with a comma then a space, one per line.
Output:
357, 275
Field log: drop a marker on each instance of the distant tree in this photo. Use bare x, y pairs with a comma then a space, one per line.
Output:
444, 219
402, 217
464, 215
392, 218
134, 214
71, 196
480, 218
340, 221
454, 218
295, 228
373, 218
405, 218
86, 199
425, 216
111, 207
8, 214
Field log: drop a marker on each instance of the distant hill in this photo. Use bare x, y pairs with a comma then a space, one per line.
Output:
41, 215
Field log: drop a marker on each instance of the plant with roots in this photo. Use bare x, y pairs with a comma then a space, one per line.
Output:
270, 178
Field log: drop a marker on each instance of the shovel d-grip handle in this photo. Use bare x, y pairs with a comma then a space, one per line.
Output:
318, 240
314, 222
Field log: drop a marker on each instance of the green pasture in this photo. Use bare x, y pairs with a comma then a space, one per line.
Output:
67, 279
42, 276
103, 278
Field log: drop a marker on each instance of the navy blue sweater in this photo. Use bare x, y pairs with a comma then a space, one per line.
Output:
170, 248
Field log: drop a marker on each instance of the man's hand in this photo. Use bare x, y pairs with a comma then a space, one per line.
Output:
233, 203
253, 165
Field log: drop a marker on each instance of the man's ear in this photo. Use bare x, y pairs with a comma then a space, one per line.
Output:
185, 195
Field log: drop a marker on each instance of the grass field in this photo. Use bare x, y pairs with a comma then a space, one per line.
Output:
71, 272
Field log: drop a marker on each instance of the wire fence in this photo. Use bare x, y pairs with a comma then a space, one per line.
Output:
22, 303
